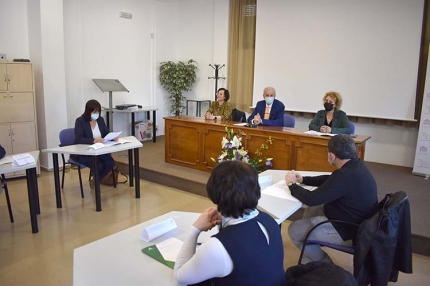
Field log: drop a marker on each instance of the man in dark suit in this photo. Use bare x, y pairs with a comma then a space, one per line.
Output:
269, 111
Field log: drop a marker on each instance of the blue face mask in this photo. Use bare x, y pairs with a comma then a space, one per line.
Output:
269, 100
94, 116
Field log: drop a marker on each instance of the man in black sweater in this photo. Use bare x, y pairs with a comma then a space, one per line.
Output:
349, 194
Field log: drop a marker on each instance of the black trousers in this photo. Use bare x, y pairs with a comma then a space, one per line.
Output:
105, 164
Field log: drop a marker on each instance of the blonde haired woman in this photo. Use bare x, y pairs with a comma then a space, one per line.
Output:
331, 119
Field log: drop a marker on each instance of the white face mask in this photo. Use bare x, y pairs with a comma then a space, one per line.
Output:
269, 100
94, 116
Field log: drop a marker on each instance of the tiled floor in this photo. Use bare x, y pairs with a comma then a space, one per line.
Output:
46, 258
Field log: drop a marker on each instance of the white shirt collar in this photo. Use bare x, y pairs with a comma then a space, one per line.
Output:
226, 221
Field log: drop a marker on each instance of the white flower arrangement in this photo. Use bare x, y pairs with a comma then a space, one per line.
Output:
231, 149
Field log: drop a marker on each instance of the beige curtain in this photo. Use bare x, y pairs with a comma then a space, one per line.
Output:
240, 72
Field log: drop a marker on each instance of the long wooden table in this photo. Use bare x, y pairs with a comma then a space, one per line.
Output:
192, 141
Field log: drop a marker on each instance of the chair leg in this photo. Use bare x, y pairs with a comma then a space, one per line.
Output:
89, 176
80, 182
113, 178
9, 206
64, 171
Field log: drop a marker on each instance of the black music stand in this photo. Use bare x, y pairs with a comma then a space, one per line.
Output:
110, 85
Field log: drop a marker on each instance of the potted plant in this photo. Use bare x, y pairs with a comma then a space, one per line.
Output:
176, 78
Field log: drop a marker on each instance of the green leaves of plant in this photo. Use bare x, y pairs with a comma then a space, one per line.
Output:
176, 78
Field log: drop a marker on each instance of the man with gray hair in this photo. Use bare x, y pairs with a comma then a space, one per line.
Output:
269, 111
348, 194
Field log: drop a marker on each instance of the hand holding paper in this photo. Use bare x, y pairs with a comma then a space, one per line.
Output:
112, 136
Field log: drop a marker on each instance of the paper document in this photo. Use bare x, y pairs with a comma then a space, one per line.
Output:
158, 229
241, 124
6, 160
120, 141
312, 132
165, 252
264, 181
279, 209
22, 159
97, 146
281, 190
112, 136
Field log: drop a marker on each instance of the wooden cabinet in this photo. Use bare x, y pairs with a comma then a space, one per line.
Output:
18, 127
16, 77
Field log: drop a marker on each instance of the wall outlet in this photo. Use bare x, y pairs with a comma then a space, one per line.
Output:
3, 57
125, 15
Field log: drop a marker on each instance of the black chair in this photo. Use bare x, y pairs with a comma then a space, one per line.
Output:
67, 138
6, 192
373, 237
237, 115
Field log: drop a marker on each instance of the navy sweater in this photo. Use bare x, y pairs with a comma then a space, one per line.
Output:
254, 261
349, 194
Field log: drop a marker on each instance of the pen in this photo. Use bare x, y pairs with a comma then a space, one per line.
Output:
199, 243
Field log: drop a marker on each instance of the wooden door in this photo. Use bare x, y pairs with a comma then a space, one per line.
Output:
3, 77
20, 77
16, 107
6, 137
23, 137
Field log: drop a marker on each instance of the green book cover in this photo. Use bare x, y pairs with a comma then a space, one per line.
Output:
156, 254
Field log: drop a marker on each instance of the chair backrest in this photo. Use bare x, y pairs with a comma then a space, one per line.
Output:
289, 120
351, 128
387, 234
67, 137
237, 115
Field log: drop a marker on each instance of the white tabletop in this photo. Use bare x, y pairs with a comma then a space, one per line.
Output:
280, 208
8, 168
118, 259
82, 149
132, 109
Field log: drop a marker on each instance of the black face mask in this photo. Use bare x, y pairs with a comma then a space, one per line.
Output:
328, 106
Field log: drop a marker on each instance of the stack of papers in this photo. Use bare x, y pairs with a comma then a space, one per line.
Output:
6, 160
281, 190
108, 141
312, 132
165, 252
22, 159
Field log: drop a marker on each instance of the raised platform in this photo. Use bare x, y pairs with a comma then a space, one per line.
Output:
389, 178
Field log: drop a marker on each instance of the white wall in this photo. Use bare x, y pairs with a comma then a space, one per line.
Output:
191, 29
393, 145
97, 43
100, 44
14, 31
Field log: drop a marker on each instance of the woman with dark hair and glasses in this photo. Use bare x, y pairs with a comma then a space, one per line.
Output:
221, 108
90, 128
248, 249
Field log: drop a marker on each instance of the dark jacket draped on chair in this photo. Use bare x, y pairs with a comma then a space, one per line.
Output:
383, 245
